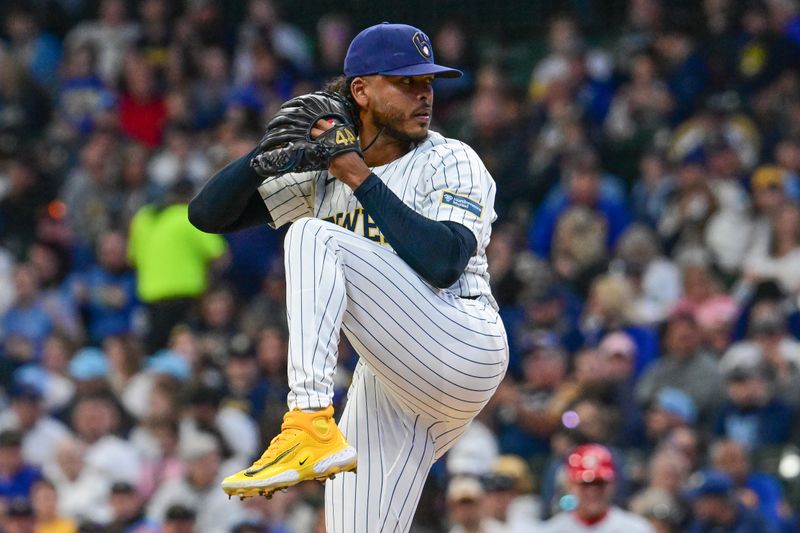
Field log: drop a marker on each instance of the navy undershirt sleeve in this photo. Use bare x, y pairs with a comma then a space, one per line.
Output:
437, 251
230, 201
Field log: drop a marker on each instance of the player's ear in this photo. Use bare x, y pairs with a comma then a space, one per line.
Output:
359, 90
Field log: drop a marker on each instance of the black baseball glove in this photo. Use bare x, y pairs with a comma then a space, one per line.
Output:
288, 146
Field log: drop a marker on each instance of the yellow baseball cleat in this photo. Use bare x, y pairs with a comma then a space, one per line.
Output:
309, 446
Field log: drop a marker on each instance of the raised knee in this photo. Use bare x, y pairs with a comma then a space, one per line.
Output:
305, 227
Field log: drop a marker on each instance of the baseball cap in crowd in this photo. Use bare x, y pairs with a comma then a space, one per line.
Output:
88, 364
198, 445
716, 312
539, 294
767, 176
169, 363
589, 463
695, 157
25, 392
464, 488
510, 472
677, 402
180, 512
10, 438
19, 507
250, 525
393, 50
618, 344
709, 483
744, 372
739, 355
122, 487
28, 382
541, 342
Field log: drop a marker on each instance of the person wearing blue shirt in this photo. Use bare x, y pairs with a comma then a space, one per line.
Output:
765, 489
26, 324
16, 478
38, 51
583, 189
717, 510
106, 292
752, 416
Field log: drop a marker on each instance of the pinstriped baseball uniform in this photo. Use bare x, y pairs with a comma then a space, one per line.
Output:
430, 359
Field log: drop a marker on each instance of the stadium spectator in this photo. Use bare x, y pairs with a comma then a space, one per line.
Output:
755, 490
591, 475
655, 280
583, 180
106, 293
27, 323
751, 414
58, 388
84, 101
171, 258
16, 477
716, 508
19, 516
530, 411
464, 508
778, 258
653, 188
44, 501
127, 511
197, 490
672, 408
509, 499
26, 193
609, 308
96, 419
157, 442
40, 432
81, 490
684, 366
89, 192
179, 519
686, 73
26, 111
178, 159
667, 472
642, 105
38, 51
770, 346
205, 413
111, 35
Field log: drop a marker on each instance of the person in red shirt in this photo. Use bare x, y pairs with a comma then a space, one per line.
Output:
142, 109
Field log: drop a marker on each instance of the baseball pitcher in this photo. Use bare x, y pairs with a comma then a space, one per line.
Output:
389, 227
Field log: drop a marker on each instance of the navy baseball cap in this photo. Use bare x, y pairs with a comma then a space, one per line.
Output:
393, 50
709, 483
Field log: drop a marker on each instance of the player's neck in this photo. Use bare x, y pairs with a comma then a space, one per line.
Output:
383, 148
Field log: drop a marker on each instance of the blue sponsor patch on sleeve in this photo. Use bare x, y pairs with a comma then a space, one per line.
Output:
462, 202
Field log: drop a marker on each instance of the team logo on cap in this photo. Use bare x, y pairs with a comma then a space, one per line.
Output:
422, 44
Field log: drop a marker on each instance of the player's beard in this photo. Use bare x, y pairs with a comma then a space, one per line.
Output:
386, 119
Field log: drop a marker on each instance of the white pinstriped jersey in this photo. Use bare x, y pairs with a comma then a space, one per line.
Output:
441, 178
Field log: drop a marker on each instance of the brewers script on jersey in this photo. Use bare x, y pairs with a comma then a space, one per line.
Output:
429, 361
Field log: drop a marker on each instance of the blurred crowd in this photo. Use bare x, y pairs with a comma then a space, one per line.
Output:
646, 260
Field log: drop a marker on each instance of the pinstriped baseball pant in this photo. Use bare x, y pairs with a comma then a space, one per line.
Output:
429, 362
